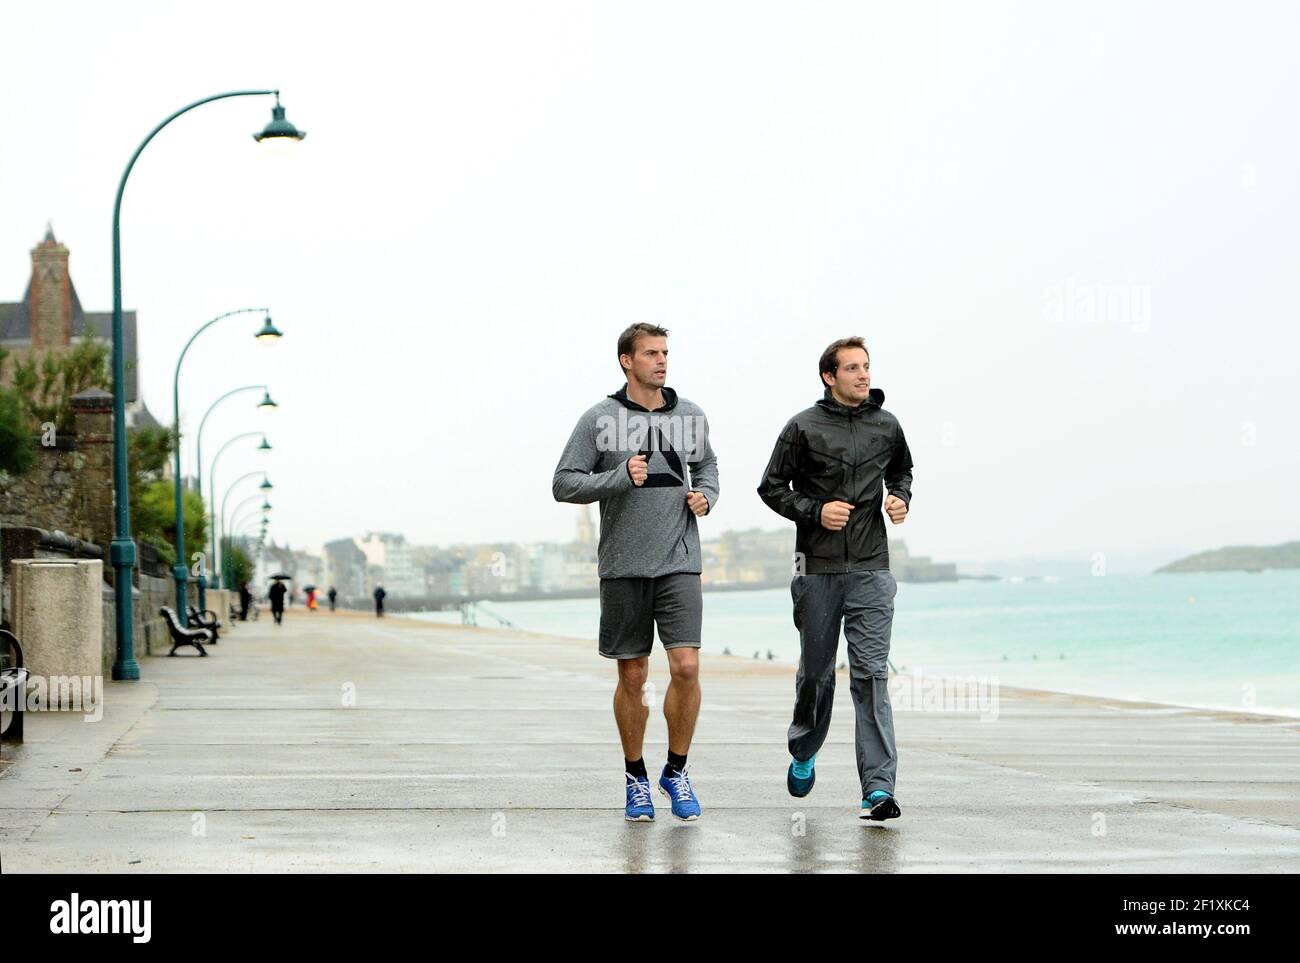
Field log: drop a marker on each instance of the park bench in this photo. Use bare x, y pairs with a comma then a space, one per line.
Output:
180, 636
207, 619
13, 687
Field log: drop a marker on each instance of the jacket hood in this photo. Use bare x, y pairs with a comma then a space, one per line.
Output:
875, 398
670, 399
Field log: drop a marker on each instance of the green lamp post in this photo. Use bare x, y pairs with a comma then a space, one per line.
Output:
231, 514
236, 529
266, 486
122, 553
266, 404
212, 471
180, 571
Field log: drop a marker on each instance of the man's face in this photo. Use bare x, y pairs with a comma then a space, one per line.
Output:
649, 360
852, 381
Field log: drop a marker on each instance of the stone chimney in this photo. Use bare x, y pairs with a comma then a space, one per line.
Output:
50, 294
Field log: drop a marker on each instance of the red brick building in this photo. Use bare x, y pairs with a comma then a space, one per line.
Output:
50, 317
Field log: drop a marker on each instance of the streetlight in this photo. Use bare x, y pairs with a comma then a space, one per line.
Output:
227, 573
180, 571
238, 529
266, 404
261, 487
212, 471
266, 486
243, 520
122, 551
242, 540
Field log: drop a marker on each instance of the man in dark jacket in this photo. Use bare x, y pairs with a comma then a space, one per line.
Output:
833, 466
379, 594
276, 594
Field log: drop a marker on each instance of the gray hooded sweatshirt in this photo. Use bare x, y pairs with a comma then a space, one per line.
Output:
645, 531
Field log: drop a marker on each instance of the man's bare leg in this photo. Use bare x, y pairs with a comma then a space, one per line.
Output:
682, 700
630, 709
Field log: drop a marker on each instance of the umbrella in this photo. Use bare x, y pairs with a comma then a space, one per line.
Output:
309, 588
281, 577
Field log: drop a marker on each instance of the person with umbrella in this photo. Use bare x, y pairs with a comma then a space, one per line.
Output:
379, 601
276, 594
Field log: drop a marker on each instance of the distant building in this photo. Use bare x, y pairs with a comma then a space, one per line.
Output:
754, 556
50, 317
345, 566
918, 568
762, 557
586, 531
392, 563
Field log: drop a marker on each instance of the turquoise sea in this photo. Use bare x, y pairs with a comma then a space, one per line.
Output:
1228, 640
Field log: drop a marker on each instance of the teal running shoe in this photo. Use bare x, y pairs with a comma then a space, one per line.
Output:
800, 777
879, 806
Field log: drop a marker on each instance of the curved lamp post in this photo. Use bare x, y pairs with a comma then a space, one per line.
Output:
180, 571
237, 529
236, 519
246, 540
265, 487
212, 471
266, 404
122, 551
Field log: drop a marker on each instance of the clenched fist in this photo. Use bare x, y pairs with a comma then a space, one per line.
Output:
637, 469
835, 515
698, 503
896, 509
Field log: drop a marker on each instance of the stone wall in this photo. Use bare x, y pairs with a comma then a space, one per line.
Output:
70, 487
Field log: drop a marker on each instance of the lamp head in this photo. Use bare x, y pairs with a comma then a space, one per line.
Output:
269, 333
279, 131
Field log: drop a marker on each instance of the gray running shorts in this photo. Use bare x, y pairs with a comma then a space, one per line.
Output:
630, 608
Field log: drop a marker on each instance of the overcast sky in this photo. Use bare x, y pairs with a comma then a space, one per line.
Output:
490, 192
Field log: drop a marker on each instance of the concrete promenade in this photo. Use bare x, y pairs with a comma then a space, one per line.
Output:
493, 750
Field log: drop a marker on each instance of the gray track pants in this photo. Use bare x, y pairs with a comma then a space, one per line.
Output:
864, 602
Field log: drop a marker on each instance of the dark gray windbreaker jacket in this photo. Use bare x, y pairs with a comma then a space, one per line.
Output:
831, 452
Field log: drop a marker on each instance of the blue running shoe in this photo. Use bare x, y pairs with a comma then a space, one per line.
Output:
879, 806
799, 780
640, 808
677, 787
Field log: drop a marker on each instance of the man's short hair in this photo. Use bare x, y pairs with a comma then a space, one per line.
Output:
627, 340
830, 359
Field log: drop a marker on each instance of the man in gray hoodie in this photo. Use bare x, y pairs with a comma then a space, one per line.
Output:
631, 452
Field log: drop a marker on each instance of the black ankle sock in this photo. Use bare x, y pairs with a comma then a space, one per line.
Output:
675, 762
636, 769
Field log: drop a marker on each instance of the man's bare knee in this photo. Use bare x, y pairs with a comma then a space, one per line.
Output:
684, 665
632, 675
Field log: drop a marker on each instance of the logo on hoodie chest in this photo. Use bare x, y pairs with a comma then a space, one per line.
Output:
668, 442
663, 465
